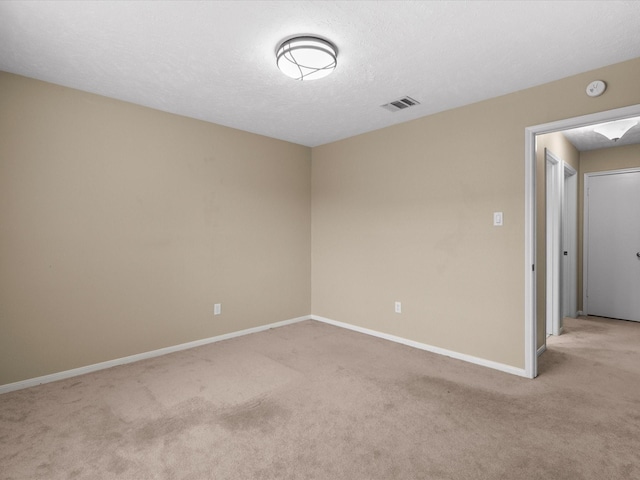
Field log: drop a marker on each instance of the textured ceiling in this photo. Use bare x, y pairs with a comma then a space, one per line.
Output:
584, 138
215, 60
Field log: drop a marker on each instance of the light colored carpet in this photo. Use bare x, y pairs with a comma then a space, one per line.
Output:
313, 401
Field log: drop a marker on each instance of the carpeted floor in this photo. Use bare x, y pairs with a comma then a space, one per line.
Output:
313, 401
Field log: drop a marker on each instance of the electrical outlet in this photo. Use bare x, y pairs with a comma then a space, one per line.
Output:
398, 307
217, 309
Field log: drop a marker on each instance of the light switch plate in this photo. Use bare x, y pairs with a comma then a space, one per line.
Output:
497, 219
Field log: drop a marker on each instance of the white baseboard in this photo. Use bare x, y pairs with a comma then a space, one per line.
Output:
541, 350
429, 348
32, 382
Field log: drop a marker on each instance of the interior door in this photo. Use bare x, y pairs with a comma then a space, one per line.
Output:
554, 167
612, 244
570, 244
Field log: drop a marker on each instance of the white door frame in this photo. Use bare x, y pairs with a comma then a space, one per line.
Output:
569, 245
554, 205
530, 334
561, 199
585, 237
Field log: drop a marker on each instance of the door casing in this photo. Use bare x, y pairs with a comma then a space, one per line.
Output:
570, 244
554, 203
561, 225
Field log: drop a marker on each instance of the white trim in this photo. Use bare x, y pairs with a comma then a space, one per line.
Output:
530, 348
530, 274
541, 350
423, 346
569, 244
554, 200
620, 171
32, 382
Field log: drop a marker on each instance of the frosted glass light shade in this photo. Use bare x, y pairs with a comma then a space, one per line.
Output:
306, 58
615, 130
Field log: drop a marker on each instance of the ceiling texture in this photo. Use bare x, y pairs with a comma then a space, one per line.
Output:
584, 138
215, 60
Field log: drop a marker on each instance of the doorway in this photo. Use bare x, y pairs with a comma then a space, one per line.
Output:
531, 360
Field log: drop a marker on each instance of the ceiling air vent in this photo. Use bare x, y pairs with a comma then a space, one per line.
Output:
400, 104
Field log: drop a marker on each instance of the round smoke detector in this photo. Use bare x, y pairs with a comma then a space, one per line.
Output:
596, 88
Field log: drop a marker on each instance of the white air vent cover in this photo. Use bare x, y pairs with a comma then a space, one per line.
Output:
400, 104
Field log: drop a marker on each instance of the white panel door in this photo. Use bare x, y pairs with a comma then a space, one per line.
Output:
570, 244
612, 245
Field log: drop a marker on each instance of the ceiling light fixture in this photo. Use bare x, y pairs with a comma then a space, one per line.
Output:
615, 130
306, 58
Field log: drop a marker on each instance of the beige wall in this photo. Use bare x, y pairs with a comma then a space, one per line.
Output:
557, 144
405, 214
615, 158
121, 226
